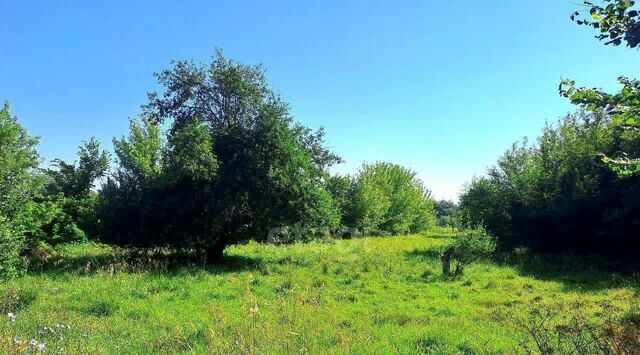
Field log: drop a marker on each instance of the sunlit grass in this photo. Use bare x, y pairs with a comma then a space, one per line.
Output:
356, 296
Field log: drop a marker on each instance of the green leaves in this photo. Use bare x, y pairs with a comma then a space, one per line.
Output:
623, 108
234, 164
19, 183
616, 22
390, 198
77, 180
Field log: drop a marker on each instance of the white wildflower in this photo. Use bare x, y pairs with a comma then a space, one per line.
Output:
12, 316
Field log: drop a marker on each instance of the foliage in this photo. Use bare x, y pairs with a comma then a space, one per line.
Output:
11, 244
617, 21
468, 246
19, 183
189, 154
60, 219
77, 181
234, 165
446, 213
557, 196
391, 199
125, 197
624, 109
66, 210
343, 192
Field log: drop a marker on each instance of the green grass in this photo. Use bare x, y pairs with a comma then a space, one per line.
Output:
370, 295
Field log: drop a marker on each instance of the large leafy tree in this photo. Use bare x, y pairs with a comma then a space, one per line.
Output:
19, 183
234, 166
617, 22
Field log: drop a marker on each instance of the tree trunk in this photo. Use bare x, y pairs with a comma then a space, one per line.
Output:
459, 269
214, 254
446, 261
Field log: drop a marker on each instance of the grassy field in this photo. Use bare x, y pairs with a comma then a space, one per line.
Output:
369, 295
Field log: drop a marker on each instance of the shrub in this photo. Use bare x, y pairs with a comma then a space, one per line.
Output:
468, 246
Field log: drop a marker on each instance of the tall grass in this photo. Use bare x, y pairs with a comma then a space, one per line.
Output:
381, 294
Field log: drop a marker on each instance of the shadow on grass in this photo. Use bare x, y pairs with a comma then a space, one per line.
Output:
575, 273
441, 236
163, 261
424, 255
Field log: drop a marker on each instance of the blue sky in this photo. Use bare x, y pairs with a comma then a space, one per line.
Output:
442, 87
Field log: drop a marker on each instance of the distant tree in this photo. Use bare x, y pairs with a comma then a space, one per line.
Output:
19, 183
391, 199
78, 180
446, 213
235, 165
617, 21
69, 202
343, 190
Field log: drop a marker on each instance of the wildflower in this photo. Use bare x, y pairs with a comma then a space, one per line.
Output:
41, 347
12, 316
16, 339
33, 342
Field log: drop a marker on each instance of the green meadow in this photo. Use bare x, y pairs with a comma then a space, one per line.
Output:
360, 296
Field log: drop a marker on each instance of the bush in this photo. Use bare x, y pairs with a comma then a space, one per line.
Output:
468, 246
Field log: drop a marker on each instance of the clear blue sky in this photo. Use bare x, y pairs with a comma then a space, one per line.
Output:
443, 87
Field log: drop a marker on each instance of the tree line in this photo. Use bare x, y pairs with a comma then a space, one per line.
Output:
577, 189
231, 165
216, 158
